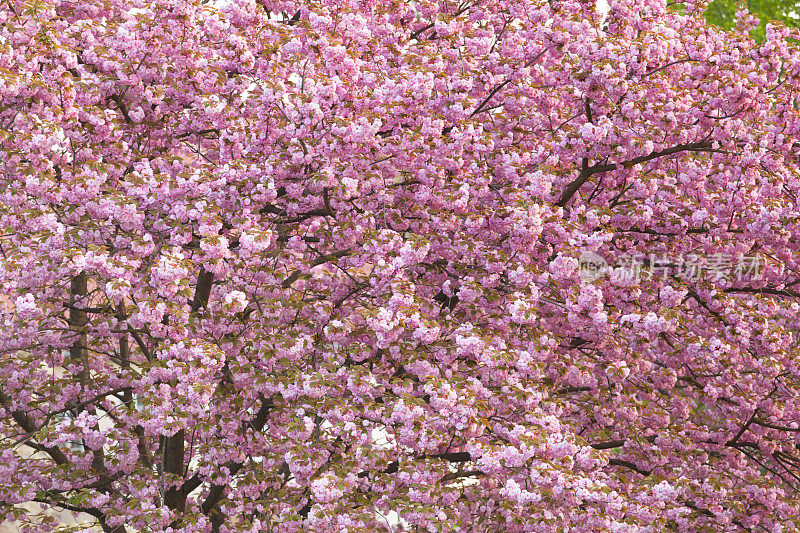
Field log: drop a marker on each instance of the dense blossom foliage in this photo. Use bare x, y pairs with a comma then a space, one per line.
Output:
314, 266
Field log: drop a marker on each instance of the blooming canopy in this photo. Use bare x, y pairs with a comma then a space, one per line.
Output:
321, 266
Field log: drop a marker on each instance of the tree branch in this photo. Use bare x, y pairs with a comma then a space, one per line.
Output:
203, 289
588, 172
294, 276
629, 466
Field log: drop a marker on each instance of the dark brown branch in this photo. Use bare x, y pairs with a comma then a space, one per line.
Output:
140, 342
629, 466
571, 390
91, 310
125, 363
491, 95
775, 426
73, 406
481, 106
174, 446
28, 425
662, 67
198, 132
122, 108
457, 475
764, 290
203, 289
746, 425
294, 276
694, 507
216, 492
91, 511
173, 455
587, 109
392, 467
649, 231
588, 172
420, 31
705, 306
425, 28
608, 445
453, 457
78, 319
308, 214
269, 208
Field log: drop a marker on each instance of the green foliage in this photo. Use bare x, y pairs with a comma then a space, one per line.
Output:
723, 13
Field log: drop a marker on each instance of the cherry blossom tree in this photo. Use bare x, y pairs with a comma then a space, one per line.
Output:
320, 266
